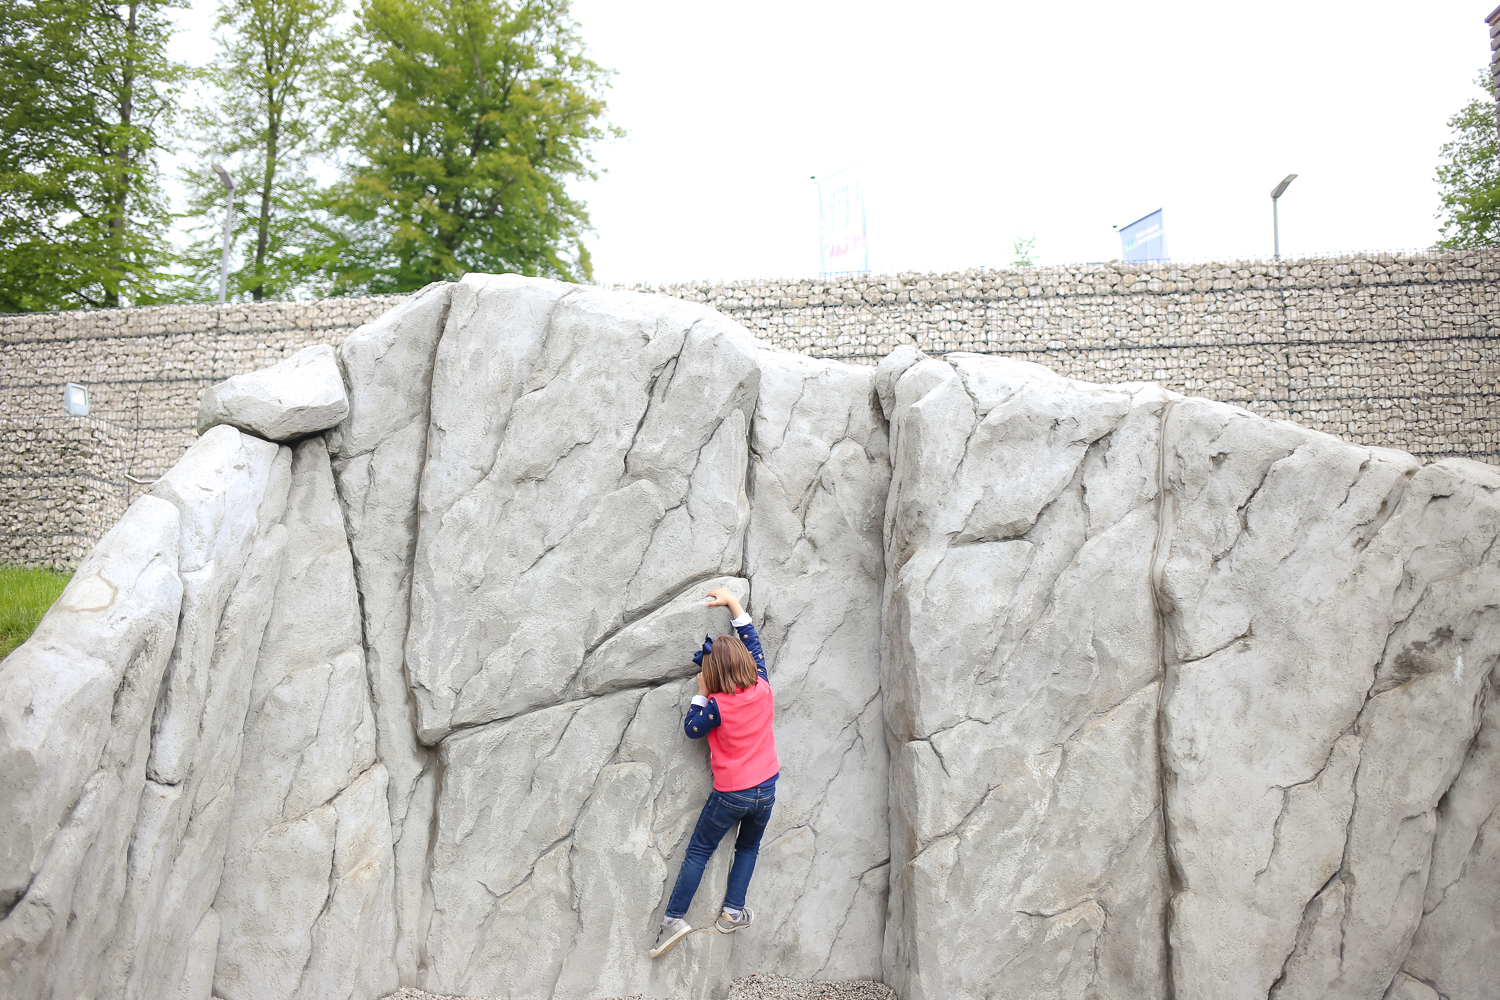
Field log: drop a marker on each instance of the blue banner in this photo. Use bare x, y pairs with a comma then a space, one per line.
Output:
842, 244
1144, 239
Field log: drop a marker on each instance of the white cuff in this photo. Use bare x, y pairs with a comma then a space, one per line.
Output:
741, 621
700, 701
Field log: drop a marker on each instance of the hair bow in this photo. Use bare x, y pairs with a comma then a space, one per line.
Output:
708, 647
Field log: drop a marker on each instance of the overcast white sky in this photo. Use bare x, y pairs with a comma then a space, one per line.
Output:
976, 123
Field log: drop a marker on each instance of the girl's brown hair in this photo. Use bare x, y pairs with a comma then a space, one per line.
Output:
730, 667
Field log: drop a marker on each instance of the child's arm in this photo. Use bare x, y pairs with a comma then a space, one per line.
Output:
742, 626
702, 715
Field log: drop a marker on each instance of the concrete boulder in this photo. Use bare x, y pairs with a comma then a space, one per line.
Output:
302, 395
74, 738
308, 873
1082, 690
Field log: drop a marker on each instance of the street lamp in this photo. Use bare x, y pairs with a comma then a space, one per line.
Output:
1277, 192
228, 220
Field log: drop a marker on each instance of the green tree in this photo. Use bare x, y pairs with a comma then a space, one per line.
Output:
86, 93
268, 115
1469, 175
1023, 252
480, 113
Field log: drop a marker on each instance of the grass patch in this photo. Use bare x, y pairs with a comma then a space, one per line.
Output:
25, 595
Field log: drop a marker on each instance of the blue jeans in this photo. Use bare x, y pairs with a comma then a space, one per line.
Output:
751, 809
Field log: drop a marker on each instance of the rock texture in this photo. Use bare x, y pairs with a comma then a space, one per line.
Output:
1022, 675
304, 902
378, 453
302, 395
1220, 697
115, 904
1082, 690
78, 699
819, 467
226, 489
601, 444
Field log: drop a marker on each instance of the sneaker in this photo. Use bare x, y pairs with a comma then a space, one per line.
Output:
728, 926
672, 931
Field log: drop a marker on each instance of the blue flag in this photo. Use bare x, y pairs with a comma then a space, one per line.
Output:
1144, 239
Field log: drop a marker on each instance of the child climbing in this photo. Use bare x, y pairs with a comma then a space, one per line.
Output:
734, 708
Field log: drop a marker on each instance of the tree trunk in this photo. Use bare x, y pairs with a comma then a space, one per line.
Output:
119, 197
263, 232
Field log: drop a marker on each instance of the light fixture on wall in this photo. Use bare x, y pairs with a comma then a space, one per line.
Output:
75, 400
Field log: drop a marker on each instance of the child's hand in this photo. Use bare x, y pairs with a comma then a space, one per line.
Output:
702, 686
721, 598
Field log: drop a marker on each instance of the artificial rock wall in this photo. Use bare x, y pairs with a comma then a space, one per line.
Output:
1082, 690
1384, 349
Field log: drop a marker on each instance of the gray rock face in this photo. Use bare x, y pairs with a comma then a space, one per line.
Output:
819, 467
77, 704
1225, 635
378, 454
1457, 944
1081, 690
1022, 678
226, 489
302, 395
308, 881
1303, 583
136, 862
601, 444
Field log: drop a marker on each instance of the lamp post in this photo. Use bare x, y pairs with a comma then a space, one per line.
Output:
228, 221
1276, 192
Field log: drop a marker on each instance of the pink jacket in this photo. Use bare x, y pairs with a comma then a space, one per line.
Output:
742, 748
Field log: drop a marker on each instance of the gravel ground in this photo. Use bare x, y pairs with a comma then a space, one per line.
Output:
763, 986
757, 987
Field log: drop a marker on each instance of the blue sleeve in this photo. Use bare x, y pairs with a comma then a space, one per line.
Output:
700, 719
751, 639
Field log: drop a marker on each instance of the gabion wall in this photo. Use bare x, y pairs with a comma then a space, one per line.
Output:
1385, 349
64, 480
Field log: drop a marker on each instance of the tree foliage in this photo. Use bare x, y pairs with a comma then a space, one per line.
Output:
267, 119
86, 93
455, 129
1469, 175
479, 113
